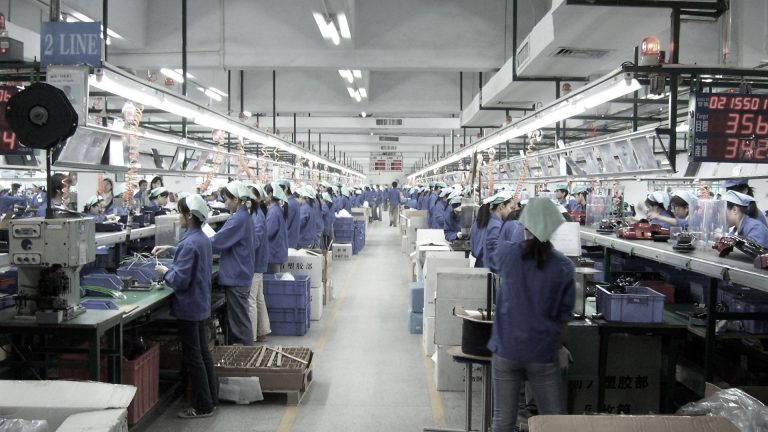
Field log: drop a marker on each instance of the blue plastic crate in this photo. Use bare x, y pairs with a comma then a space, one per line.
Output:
343, 235
95, 304
639, 304
415, 322
286, 293
343, 223
104, 280
7, 300
417, 296
288, 315
289, 329
751, 304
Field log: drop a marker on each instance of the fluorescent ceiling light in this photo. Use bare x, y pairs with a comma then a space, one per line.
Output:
145, 95
357, 96
347, 75
217, 91
189, 75
172, 74
80, 16
75, 16
180, 110
351, 91
344, 26
357, 73
327, 29
362, 92
212, 94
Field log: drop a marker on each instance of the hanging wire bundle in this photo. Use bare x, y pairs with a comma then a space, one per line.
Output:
218, 137
132, 116
532, 138
243, 164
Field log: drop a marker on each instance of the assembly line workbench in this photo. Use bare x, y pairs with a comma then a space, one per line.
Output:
737, 268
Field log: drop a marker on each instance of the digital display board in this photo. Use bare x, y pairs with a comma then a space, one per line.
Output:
730, 127
9, 145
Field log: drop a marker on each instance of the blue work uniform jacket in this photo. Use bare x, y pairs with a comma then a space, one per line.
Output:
451, 225
531, 305
394, 196
337, 204
235, 243
7, 202
277, 235
329, 217
319, 221
761, 218
492, 233
660, 222
293, 226
512, 231
38, 200
260, 241
190, 277
754, 230
346, 204
432, 210
476, 242
412, 204
306, 226
438, 221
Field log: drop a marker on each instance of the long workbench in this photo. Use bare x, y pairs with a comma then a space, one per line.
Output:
736, 268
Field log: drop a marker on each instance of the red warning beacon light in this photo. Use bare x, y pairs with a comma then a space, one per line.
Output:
650, 50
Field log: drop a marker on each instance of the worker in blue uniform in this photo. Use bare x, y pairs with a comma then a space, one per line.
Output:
190, 279
346, 200
93, 209
412, 202
579, 203
234, 241
451, 222
307, 219
38, 194
436, 214
293, 215
658, 205
329, 217
277, 230
7, 201
742, 218
394, 205
58, 181
681, 206
257, 306
533, 304
561, 195
742, 185
500, 207
432, 198
477, 232
158, 198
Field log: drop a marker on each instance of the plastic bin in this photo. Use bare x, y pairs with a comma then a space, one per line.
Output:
417, 296
752, 305
286, 293
287, 315
343, 235
95, 304
144, 373
639, 305
415, 322
289, 329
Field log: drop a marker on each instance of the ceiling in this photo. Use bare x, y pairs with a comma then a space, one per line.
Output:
421, 59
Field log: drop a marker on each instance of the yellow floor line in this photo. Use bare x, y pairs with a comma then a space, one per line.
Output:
290, 413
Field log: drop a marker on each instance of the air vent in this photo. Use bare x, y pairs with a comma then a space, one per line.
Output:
389, 138
580, 53
523, 53
388, 148
389, 122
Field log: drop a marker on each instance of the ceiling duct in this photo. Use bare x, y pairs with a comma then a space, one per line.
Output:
389, 122
389, 138
581, 53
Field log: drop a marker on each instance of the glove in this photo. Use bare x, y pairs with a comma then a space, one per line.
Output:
160, 250
459, 236
160, 270
565, 358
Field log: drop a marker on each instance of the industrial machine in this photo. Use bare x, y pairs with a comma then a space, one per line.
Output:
49, 254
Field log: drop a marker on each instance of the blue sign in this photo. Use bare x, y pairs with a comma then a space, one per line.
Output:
63, 43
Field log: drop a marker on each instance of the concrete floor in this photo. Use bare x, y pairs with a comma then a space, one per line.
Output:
370, 373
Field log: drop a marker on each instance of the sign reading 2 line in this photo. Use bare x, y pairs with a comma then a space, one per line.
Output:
63, 43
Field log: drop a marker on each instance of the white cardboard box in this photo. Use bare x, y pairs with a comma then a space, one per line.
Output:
428, 335
108, 420
447, 325
461, 283
55, 401
316, 303
307, 263
450, 375
433, 262
424, 236
342, 251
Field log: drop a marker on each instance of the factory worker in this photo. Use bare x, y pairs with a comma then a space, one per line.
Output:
7, 201
158, 198
234, 241
142, 195
107, 195
658, 208
742, 218
257, 306
346, 201
277, 229
329, 217
319, 221
681, 205
579, 202
58, 184
116, 206
477, 232
437, 213
742, 185
394, 205
92, 209
190, 279
338, 204
293, 214
38, 193
452, 223
432, 198
411, 203
423, 201
156, 182
533, 304
307, 219
513, 231
499, 208
561, 194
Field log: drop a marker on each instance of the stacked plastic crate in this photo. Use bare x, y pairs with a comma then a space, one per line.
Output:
358, 238
343, 230
416, 312
287, 304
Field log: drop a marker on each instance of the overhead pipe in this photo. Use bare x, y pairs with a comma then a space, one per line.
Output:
104, 24
184, 128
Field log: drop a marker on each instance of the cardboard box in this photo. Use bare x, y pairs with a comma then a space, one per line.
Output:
109, 420
581, 423
424, 236
461, 283
428, 335
447, 325
342, 251
240, 390
316, 303
434, 262
307, 263
56, 401
451, 375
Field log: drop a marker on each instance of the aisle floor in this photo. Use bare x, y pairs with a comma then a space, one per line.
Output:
370, 373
